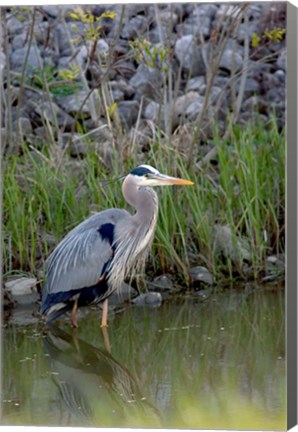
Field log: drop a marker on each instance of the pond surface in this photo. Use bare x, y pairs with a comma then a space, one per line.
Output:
217, 364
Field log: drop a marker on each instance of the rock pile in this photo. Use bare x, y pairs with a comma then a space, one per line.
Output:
91, 71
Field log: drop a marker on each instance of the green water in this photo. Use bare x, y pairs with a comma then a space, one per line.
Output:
218, 363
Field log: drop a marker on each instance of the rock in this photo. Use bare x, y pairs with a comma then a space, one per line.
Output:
21, 286
153, 111
158, 34
161, 283
252, 116
72, 104
251, 88
205, 10
14, 25
102, 46
195, 83
147, 81
11, 147
77, 147
220, 81
18, 56
168, 17
232, 59
280, 74
123, 87
135, 27
275, 267
19, 41
58, 11
23, 126
141, 135
253, 12
189, 55
227, 11
193, 110
128, 113
126, 293
52, 11
254, 103
63, 45
117, 95
80, 58
152, 299
182, 106
50, 112
277, 261
201, 274
282, 59
130, 10
232, 247
199, 22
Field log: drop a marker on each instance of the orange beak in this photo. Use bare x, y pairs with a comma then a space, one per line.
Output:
164, 180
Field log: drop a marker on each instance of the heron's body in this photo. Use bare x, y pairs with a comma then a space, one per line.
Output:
92, 261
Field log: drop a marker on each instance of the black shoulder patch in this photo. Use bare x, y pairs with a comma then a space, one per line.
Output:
107, 232
140, 171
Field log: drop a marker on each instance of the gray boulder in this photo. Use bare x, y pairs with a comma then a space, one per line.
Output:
135, 27
147, 81
128, 113
49, 111
72, 104
189, 55
18, 57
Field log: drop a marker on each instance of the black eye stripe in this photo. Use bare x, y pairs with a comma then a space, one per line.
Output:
140, 171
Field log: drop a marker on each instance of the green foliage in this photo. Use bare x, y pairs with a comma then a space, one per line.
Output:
112, 109
246, 192
70, 74
153, 56
21, 12
93, 28
273, 35
48, 78
255, 40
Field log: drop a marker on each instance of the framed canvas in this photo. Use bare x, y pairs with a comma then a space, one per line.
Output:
126, 304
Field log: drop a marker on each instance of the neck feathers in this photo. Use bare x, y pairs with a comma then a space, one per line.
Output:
135, 235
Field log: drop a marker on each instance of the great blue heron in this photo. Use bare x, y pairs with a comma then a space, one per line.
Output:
93, 260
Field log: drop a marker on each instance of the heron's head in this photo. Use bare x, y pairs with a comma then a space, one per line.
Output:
146, 175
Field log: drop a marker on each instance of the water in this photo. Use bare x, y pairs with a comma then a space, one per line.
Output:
218, 363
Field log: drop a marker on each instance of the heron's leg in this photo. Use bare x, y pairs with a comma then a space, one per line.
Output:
104, 320
74, 318
106, 339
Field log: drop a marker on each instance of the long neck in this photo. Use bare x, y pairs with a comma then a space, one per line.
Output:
144, 200
134, 234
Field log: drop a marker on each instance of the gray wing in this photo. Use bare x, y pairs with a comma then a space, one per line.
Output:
79, 259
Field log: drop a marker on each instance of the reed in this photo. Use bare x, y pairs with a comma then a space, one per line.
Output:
46, 193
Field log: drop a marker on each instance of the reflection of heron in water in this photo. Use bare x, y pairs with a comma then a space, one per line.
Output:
94, 386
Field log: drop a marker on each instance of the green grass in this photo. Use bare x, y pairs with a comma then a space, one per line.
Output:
49, 193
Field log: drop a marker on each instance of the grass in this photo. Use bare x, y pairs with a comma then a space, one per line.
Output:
47, 193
